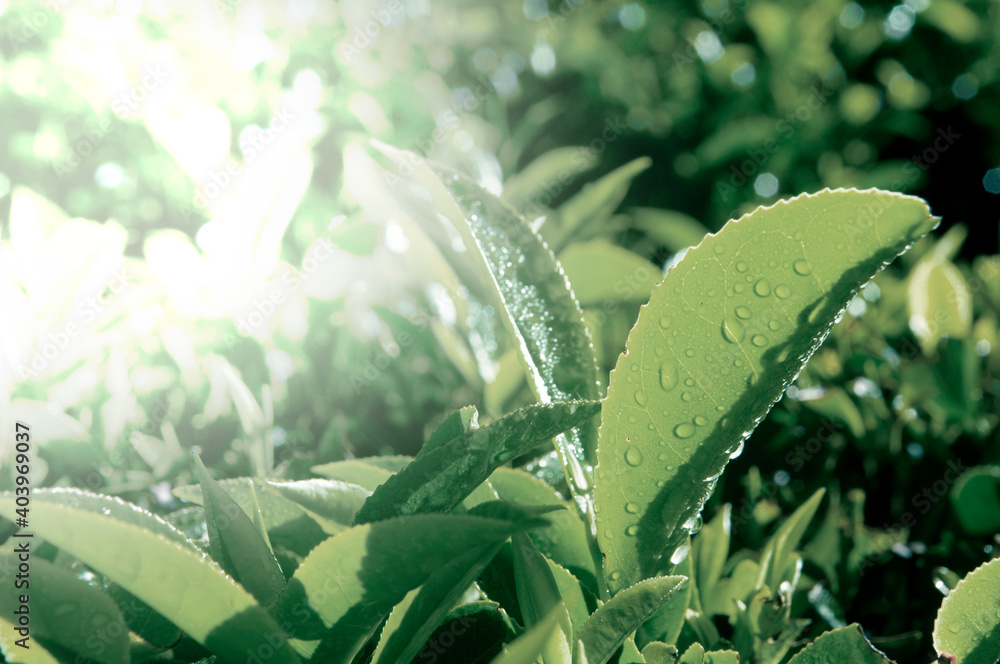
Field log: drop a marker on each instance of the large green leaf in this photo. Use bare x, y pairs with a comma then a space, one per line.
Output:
182, 585
603, 273
723, 335
968, 622
538, 306
65, 610
440, 479
413, 621
565, 541
350, 582
236, 544
847, 644
608, 627
15, 654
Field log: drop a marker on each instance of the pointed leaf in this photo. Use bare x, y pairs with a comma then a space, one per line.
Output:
538, 306
617, 618
182, 585
779, 550
443, 477
412, 622
350, 582
847, 644
722, 337
601, 273
66, 610
968, 622
356, 471
460, 422
235, 543
538, 594
528, 647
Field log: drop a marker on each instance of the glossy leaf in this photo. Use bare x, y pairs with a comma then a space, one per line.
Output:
236, 544
182, 585
565, 541
538, 595
937, 295
617, 618
351, 581
357, 471
327, 501
721, 338
443, 477
968, 622
537, 303
847, 644
413, 621
65, 610
460, 422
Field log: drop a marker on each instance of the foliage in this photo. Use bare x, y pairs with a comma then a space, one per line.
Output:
416, 345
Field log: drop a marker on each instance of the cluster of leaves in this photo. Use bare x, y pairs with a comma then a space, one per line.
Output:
451, 552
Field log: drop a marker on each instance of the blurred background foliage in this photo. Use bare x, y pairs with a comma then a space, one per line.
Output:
199, 251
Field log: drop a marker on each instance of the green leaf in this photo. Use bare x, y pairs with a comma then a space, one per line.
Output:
601, 272
275, 510
558, 165
780, 549
440, 479
657, 652
460, 422
538, 306
357, 471
721, 338
847, 644
413, 620
327, 501
976, 499
116, 508
709, 550
351, 581
174, 580
565, 540
968, 622
667, 621
938, 299
538, 595
617, 618
696, 655
66, 610
594, 205
15, 654
529, 646
674, 230
236, 544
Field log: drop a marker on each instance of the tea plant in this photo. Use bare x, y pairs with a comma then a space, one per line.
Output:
595, 552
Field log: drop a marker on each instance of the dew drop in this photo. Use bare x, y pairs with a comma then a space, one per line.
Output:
783, 291
684, 430
678, 556
689, 382
633, 419
738, 450
640, 397
633, 456
687, 396
631, 508
762, 288
700, 421
802, 268
773, 325
689, 352
665, 321
616, 575
741, 267
668, 375
759, 340
743, 312
733, 331
632, 531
